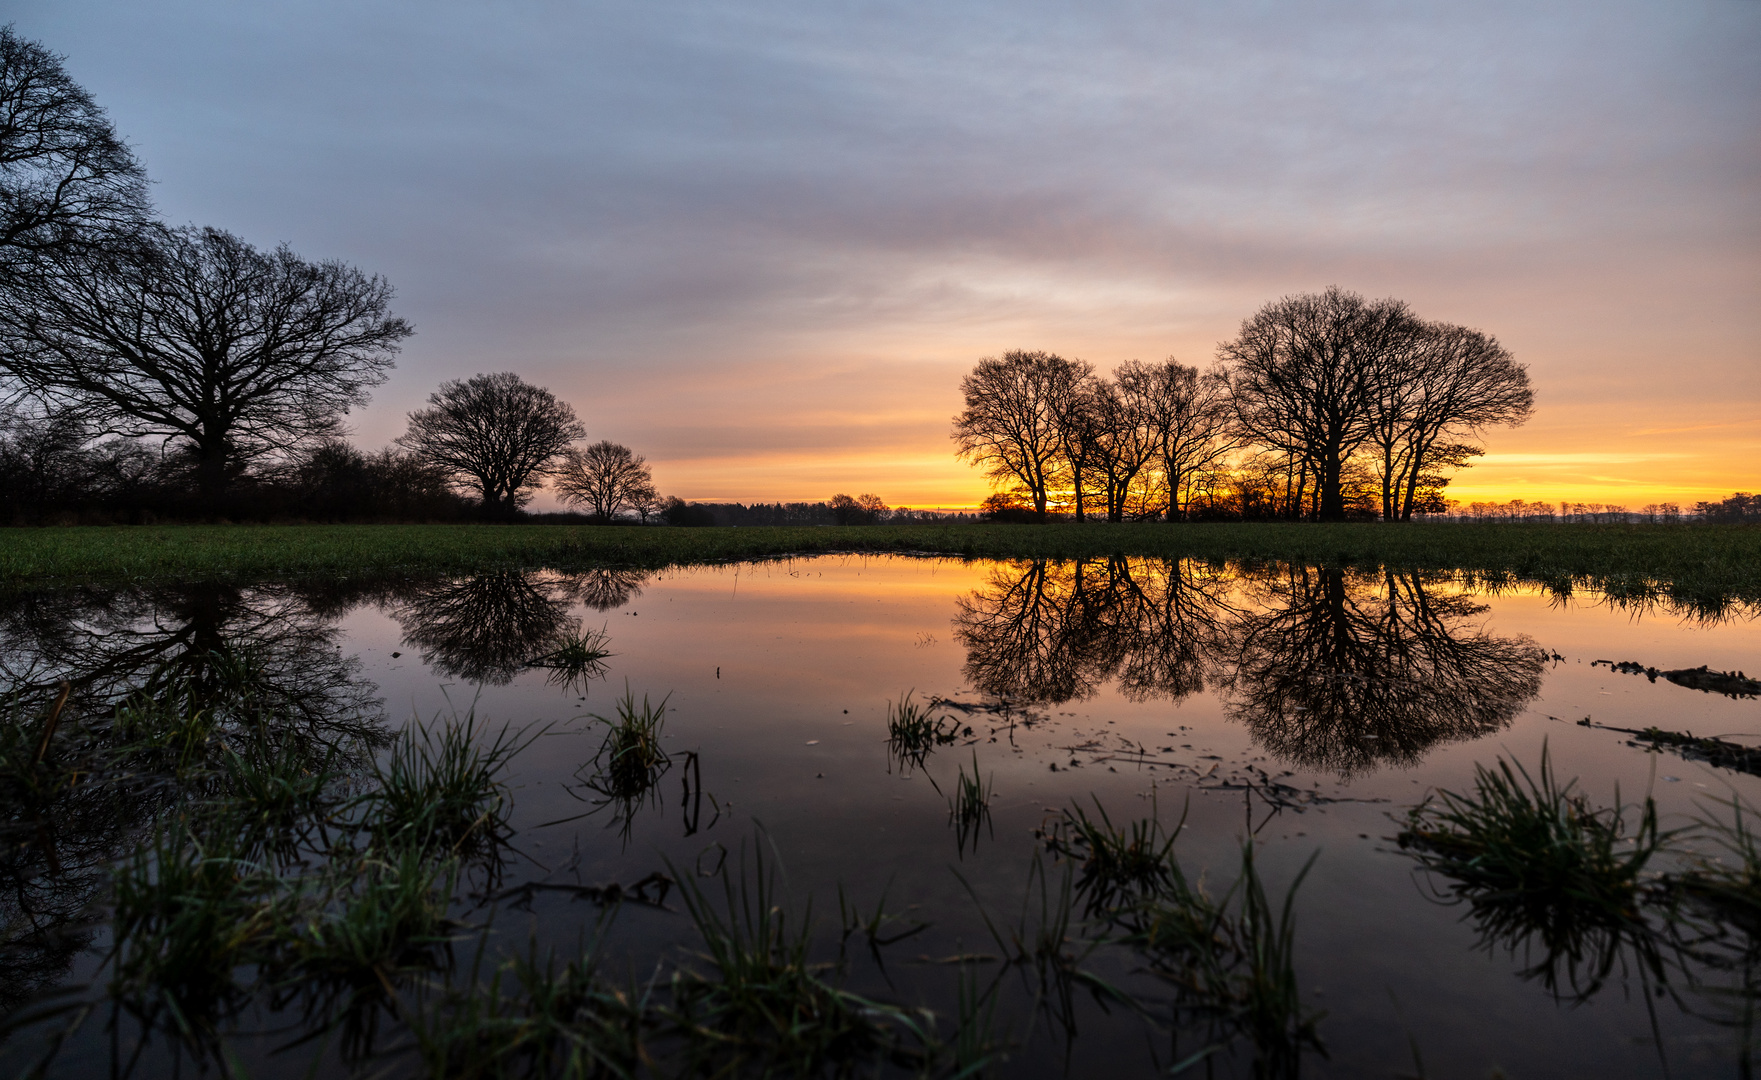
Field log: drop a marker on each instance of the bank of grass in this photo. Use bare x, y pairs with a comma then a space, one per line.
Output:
1695, 559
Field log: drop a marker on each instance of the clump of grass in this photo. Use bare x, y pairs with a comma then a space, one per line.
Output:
631, 760
1535, 860
1119, 865
1232, 962
168, 732
578, 657
1230, 959
1728, 883
189, 911
386, 916
534, 1017
766, 1006
279, 791
627, 767
969, 808
442, 790
913, 733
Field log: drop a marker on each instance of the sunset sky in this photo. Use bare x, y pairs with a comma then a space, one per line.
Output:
761, 242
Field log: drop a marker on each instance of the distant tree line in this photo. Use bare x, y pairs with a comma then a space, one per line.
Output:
1325, 406
1739, 508
838, 510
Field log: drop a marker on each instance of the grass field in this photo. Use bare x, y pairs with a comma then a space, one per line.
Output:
1686, 560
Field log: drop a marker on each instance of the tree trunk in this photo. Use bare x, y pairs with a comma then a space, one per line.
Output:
1332, 498
211, 469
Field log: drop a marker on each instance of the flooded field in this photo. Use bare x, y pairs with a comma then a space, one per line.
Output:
880, 815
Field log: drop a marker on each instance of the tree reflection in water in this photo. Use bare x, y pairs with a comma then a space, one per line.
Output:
1055, 631
1330, 669
489, 627
258, 665
1346, 671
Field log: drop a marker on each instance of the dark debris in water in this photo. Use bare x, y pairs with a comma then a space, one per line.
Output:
1725, 755
1733, 684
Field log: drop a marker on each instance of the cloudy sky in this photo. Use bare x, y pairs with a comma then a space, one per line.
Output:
760, 242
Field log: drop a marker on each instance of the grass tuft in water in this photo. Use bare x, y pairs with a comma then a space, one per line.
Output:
533, 1017
189, 910
387, 917
1232, 962
1119, 865
631, 760
765, 1006
1230, 959
912, 733
969, 808
442, 789
578, 657
1537, 863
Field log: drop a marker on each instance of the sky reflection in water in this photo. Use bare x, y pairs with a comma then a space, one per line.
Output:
1308, 706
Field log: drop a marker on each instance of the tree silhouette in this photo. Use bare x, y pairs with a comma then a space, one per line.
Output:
1011, 425
1186, 416
66, 179
1306, 373
1056, 631
1455, 383
194, 336
495, 433
606, 478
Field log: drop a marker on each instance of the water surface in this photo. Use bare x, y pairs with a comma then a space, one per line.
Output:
1308, 708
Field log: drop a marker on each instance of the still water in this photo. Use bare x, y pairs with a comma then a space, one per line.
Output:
1305, 708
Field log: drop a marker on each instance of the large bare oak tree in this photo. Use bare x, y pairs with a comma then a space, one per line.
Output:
495, 433
196, 337
1307, 371
605, 478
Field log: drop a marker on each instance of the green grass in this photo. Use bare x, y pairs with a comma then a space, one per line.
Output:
912, 733
1699, 560
1539, 865
1230, 960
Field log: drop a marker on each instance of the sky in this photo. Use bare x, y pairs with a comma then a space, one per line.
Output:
760, 242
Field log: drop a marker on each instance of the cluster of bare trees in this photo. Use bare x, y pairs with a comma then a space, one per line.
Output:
500, 437
1325, 405
138, 359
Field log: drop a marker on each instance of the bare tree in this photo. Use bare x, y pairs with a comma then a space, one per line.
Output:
194, 336
1120, 442
1188, 418
864, 509
647, 502
1456, 383
1010, 425
497, 434
65, 176
1308, 371
607, 479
